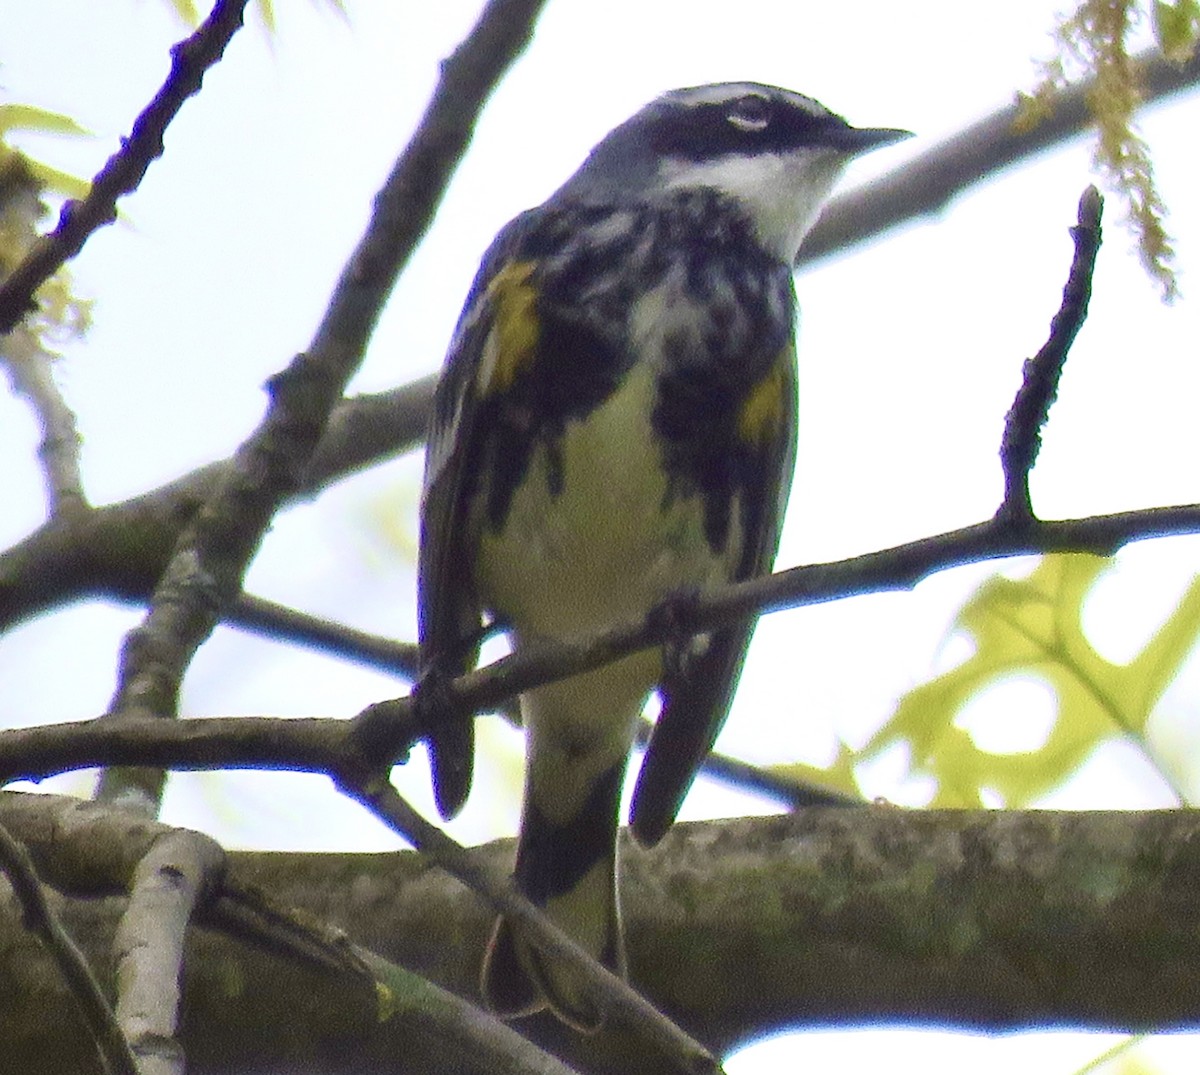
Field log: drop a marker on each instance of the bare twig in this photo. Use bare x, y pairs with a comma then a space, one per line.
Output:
470, 1028
1039, 384
279, 622
178, 872
114, 1049
124, 170
793, 794
253, 918
25, 353
375, 651
387, 729
681, 1051
32, 376
120, 550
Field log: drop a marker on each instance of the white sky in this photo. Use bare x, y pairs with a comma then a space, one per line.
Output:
910, 353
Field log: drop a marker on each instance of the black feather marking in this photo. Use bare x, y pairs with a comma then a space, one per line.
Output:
551, 858
507, 988
697, 688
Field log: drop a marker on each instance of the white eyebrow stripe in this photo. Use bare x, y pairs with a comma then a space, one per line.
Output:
723, 92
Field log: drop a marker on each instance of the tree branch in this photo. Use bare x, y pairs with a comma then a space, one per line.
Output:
90, 851
1039, 383
388, 729
245, 913
190, 60
790, 793
287, 624
978, 920
85, 991
32, 375
120, 550
616, 998
178, 872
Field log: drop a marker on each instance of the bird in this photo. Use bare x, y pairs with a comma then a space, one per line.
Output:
615, 425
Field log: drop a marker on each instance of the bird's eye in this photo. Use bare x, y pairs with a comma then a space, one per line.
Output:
750, 113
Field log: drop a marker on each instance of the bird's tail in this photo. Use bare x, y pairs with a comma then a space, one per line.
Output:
570, 870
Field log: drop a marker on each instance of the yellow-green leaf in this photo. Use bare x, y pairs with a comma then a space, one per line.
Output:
1177, 28
59, 182
266, 11
1118, 1060
186, 10
15, 117
1032, 628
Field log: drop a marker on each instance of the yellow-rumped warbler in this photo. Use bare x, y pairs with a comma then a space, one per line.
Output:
616, 423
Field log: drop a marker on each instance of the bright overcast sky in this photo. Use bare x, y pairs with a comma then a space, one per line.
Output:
909, 352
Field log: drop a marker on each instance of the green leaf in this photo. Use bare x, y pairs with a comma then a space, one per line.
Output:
60, 182
1120, 1059
18, 117
1177, 28
1032, 628
186, 10
266, 11
14, 117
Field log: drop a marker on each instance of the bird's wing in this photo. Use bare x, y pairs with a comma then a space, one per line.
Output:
697, 688
449, 616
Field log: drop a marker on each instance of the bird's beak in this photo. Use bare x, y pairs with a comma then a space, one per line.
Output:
858, 140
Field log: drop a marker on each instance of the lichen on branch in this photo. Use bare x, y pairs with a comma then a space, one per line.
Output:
1093, 41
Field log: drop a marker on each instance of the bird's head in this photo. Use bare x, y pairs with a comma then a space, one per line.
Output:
776, 152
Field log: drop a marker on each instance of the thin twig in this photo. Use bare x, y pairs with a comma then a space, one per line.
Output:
388, 729
1039, 383
251, 917
280, 623
114, 1049
470, 1027
29, 360
121, 550
32, 376
745, 776
618, 999
124, 170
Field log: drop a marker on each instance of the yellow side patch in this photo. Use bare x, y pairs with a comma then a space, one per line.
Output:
761, 415
513, 340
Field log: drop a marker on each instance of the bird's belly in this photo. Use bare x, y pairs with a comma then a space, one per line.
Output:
611, 543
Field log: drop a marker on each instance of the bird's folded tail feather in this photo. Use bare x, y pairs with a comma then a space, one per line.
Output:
579, 896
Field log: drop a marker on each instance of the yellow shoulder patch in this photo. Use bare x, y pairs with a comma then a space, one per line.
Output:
761, 415
512, 343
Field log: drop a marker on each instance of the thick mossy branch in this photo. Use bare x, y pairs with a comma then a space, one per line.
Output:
980, 920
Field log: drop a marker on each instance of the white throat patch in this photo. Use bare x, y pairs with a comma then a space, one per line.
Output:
781, 192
